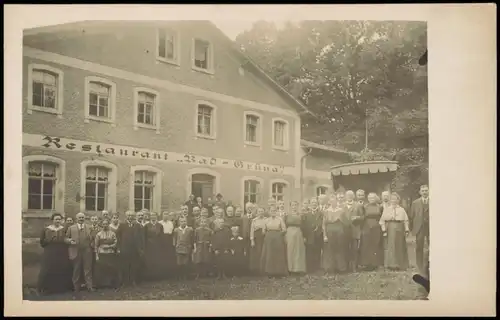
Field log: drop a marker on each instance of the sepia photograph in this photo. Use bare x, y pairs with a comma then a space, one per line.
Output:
256, 159
164, 156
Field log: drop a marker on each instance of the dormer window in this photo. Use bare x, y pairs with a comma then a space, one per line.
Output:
202, 56
167, 46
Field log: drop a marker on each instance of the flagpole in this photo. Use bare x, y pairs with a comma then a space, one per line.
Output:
366, 128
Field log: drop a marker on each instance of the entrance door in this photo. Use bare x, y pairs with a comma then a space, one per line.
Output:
202, 185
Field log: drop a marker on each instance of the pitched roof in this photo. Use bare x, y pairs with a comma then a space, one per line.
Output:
96, 24
282, 91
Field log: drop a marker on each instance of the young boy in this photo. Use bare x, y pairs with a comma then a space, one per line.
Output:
238, 253
221, 247
183, 244
201, 256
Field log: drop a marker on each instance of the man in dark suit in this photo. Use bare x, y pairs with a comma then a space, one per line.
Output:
191, 203
79, 238
313, 235
219, 201
355, 212
419, 224
130, 236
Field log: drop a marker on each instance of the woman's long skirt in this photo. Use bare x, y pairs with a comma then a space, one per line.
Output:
372, 245
55, 275
168, 256
256, 252
396, 253
336, 249
295, 249
106, 271
154, 260
202, 254
273, 261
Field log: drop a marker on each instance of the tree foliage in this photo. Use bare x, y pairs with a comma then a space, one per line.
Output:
354, 75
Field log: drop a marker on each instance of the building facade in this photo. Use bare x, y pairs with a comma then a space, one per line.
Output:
122, 116
317, 164
133, 115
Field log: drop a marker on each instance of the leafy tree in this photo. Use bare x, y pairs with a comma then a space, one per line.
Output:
354, 75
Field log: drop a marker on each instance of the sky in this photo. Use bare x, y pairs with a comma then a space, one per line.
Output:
233, 28
232, 20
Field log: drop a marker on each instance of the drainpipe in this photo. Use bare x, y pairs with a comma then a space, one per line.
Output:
302, 160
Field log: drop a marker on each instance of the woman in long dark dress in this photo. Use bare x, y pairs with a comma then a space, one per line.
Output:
372, 245
336, 238
273, 261
154, 248
295, 247
256, 241
395, 227
54, 276
106, 271
202, 252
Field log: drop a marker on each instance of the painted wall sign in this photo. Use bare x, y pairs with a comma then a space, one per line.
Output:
103, 149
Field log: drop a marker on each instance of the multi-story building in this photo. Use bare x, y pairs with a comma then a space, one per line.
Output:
132, 115
126, 115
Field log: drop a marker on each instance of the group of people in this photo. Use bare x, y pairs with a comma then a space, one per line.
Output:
343, 232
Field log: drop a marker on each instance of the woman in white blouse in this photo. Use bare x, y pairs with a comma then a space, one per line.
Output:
395, 228
167, 242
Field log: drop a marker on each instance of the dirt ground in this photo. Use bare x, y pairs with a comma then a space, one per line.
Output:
377, 285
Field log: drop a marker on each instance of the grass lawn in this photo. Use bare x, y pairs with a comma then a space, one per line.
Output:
377, 285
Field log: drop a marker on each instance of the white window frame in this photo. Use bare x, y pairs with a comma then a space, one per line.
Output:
286, 134
59, 189
258, 143
254, 178
210, 68
286, 192
156, 112
177, 48
112, 104
157, 191
60, 87
112, 182
193, 171
321, 186
213, 120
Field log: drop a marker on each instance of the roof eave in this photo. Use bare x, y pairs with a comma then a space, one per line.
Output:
301, 108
